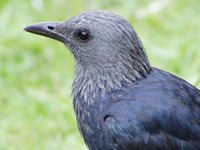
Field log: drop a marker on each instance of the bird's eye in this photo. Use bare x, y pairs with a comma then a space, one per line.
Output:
83, 35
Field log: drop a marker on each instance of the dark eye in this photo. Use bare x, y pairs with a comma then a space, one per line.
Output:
83, 35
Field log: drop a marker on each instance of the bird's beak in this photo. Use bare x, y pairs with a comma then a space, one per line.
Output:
47, 29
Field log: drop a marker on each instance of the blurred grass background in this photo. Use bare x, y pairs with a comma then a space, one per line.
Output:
36, 73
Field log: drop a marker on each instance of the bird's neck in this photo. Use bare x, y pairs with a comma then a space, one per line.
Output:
89, 82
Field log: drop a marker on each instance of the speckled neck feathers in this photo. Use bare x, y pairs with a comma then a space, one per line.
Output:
88, 82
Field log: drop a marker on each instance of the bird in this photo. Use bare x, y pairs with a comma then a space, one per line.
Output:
121, 102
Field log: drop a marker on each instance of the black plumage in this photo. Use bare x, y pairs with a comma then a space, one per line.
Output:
160, 111
121, 102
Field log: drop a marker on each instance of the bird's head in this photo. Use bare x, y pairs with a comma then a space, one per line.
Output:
100, 42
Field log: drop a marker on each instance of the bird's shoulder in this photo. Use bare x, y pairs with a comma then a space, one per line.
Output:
158, 109
157, 87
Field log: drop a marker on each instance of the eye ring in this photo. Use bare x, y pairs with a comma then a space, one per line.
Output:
83, 35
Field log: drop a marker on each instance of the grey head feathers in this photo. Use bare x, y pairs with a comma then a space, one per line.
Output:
114, 55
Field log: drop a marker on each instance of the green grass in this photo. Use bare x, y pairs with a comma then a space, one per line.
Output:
36, 73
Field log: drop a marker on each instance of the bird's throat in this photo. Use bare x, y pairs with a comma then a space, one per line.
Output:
88, 83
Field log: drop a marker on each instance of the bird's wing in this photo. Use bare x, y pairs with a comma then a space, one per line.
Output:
136, 128
153, 117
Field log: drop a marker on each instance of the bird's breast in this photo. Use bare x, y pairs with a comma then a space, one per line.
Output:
89, 120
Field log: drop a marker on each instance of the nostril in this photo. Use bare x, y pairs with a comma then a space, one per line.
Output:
50, 27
